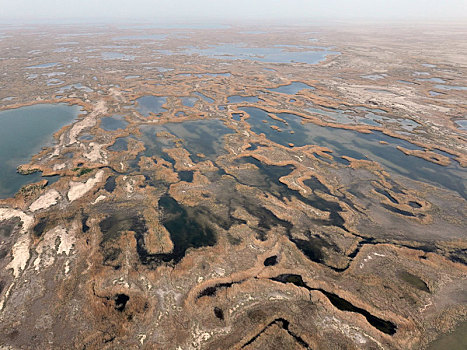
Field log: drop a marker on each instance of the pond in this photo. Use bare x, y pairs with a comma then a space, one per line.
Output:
117, 56
113, 123
310, 55
120, 144
189, 101
44, 65
433, 80
204, 97
198, 136
150, 104
240, 99
462, 123
292, 88
451, 87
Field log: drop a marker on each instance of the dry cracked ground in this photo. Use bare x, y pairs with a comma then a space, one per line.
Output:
234, 188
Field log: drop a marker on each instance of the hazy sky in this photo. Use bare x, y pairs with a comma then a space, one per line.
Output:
225, 10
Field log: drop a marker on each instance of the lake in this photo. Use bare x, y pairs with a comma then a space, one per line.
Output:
23, 131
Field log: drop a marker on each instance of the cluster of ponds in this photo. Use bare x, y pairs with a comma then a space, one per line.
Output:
150, 104
37, 123
359, 146
25, 130
111, 55
240, 99
77, 86
462, 123
372, 117
373, 76
189, 101
275, 54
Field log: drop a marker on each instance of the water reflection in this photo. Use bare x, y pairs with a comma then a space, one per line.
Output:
358, 145
23, 131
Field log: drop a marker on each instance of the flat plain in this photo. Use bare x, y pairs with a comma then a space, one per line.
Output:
233, 187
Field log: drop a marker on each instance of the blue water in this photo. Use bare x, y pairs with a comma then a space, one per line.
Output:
44, 65
117, 56
433, 80
373, 76
189, 101
360, 146
451, 87
240, 99
268, 54
462, 123
406, 82
198, 136
113, 123
204, 97
292, 88
219, 74
151, 104
120, 144
237, 116
23, 132
54, 82
348, 117
77, 86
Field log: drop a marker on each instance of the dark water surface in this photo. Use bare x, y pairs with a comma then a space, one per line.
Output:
121, 144
151, 104
204, 97
263, 54
199, 136
360, 146
189, 101
113, 123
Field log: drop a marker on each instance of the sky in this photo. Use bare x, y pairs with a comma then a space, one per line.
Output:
232, 10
